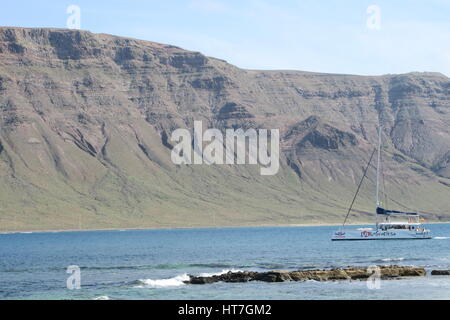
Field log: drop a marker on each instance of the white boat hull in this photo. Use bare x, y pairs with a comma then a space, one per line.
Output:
374, 234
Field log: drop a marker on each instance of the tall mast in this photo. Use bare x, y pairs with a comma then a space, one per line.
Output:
378, 165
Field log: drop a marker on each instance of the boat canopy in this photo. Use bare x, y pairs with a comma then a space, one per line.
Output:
394, 212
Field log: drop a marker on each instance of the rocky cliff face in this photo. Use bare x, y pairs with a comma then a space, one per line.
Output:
86, 119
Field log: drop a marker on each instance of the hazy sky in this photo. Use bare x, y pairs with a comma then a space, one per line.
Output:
338, 36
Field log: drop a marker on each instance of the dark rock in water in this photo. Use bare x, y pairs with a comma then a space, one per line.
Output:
274, 276
440, 272
240, 276
351, 273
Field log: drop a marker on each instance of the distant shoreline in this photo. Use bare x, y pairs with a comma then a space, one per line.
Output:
181, 228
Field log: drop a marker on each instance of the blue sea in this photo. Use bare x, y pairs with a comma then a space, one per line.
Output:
152, 264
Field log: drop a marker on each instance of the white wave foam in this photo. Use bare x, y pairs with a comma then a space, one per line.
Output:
441, 238
163, 283
177, 280
392, 259
102, 298
206, 274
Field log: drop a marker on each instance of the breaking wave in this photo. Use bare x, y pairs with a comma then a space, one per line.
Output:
389, 259
176, 281
208, 274
163, 283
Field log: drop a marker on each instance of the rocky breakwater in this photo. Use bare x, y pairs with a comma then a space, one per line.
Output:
350, 273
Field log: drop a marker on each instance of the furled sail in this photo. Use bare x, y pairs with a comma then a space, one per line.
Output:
389, 212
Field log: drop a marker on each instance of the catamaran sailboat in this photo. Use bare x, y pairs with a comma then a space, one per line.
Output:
390, 224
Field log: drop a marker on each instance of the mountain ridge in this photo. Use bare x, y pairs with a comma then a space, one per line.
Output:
86, 121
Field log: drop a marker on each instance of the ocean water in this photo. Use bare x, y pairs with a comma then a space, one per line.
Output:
152, 264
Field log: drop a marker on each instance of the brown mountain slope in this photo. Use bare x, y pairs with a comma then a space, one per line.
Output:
86, 119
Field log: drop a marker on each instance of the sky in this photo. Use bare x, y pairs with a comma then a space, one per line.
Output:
363, 37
